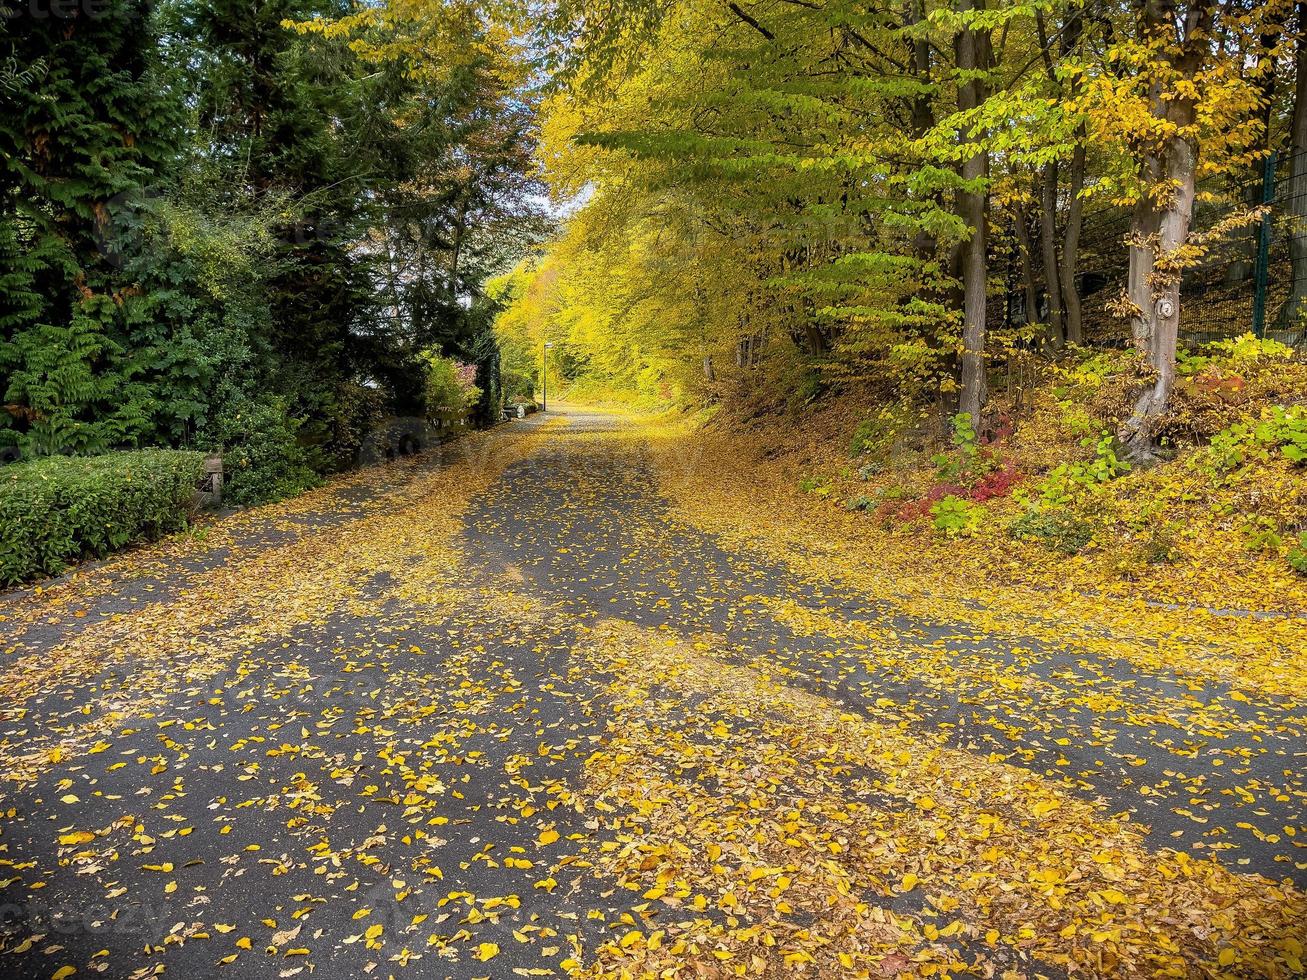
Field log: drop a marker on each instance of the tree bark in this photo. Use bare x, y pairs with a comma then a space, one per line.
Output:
1291, 312
1154, 290
1161, 223
1029, 280
1048, 245
923, 109
1075, 333
972, 55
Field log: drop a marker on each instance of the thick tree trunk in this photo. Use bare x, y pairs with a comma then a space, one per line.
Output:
1154, 290
1048, 245
1291, 312
1075, 333
1161, 223
972, 56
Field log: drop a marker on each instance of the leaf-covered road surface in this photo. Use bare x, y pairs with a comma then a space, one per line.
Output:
507, 711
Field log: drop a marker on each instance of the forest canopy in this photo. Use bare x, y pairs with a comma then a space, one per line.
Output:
899, 194
250, 229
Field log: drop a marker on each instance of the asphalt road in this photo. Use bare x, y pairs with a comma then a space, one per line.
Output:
316, 742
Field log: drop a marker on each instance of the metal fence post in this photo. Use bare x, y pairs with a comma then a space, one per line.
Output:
1262, 269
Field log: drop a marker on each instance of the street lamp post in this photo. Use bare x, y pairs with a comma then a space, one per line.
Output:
544, 377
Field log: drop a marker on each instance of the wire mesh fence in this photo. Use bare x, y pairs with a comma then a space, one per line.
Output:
1250, 279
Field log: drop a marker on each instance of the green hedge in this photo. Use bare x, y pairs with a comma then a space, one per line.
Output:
58, 508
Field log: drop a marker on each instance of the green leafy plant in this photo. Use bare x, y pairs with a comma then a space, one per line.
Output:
1091, 372
1248, 348
1059, 530
817, 484
451, 388
860, 502
1286, 429
1066, 481
867, 471
968, 459
956, 517
1279, 428
876, 435
263, 458
1159, 546
1261, 535
1297, 556
867, 437
56, 509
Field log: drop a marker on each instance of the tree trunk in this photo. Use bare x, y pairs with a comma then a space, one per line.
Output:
1048, 245
1031, 283
1075, 333
1153, 287
923, 109
1291, 312
1161, 222
972, 56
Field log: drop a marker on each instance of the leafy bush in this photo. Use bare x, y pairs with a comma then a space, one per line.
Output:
1159, 546
967, 460
867, 437
1068, 480
451, 385
58, 508
1233, 352
868, 470
1059, 530
262, 458
996, 483
819, 485
877, 435
1091, 371
1279, 428
859, 502
1298, 555
955, 516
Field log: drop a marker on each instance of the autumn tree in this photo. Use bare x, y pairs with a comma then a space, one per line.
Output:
1176, 95
973, 59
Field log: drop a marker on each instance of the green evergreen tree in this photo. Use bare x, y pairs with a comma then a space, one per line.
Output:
80, 143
